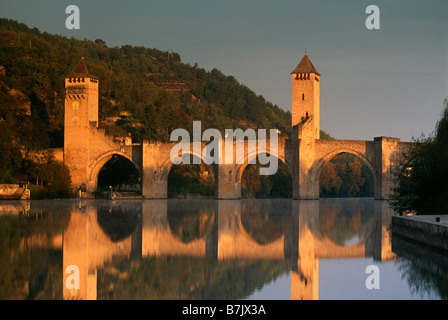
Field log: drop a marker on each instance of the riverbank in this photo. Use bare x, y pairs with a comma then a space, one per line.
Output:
428, 230
14, 192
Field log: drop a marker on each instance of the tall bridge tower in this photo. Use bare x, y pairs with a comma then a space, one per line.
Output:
81, 113
305, 107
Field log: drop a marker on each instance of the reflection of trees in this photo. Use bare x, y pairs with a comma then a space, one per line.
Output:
185, 278
26, 255
264, 220
345, 219
190, 220
422, 282
119, 222
48, 222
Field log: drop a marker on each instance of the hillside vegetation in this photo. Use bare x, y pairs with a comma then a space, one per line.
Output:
145, 92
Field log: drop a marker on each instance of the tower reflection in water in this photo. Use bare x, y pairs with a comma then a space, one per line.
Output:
198, 244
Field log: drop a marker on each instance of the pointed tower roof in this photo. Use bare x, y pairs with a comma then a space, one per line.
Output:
81, 70
305, 66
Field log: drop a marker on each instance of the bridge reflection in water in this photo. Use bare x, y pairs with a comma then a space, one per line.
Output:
296, 232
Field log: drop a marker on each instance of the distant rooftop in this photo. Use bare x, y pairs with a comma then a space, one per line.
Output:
81, 70
305, 66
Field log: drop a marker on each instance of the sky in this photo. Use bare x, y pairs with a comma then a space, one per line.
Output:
390, 81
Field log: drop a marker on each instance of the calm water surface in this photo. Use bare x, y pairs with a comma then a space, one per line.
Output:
210, 249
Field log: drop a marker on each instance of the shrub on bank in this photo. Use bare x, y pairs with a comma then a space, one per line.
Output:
420, 180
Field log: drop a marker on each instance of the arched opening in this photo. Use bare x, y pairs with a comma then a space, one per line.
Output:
254, 185
119, 174
190, 180
346, 176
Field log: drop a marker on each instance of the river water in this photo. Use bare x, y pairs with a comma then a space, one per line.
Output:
211, 249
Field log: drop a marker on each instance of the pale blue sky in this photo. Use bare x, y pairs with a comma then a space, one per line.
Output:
387, 82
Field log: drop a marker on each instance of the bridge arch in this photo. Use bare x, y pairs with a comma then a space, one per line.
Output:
317, 167
172, 185
282, 179
168, 164
96, 166
251, 156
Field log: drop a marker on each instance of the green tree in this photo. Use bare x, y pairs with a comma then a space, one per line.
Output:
54, 177
254, 185
346, 176
330, 182
420, 179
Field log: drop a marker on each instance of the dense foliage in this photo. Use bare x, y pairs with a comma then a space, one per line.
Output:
420, 180
346, 176
191, 179
254, 185
146, 92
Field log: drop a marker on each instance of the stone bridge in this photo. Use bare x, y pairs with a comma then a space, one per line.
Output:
87, 148
304, 159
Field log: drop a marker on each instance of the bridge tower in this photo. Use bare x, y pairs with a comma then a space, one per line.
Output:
306, 97
81, 114
305, 109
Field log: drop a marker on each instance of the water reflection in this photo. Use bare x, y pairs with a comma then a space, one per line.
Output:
188, 249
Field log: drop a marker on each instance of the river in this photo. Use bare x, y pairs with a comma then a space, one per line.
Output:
211, 249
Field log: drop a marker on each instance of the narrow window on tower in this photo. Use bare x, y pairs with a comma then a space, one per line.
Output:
303, 96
